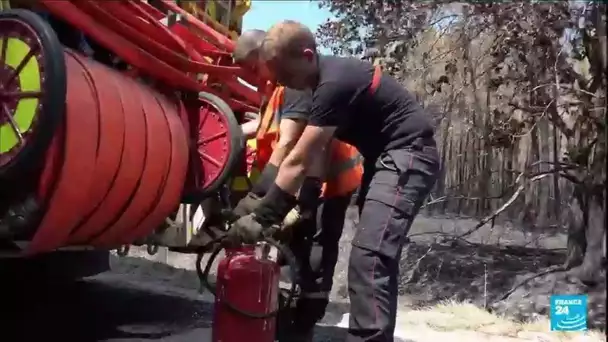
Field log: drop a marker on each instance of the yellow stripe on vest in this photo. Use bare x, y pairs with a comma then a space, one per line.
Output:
254, 174
240, 183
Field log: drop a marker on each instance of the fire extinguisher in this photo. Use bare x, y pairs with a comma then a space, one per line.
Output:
247, 292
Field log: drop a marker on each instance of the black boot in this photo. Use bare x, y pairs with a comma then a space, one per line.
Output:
284, 320
302, 320
299, 337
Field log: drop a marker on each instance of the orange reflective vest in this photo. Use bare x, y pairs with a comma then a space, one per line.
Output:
345, 165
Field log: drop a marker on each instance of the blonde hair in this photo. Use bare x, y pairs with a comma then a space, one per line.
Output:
287, 38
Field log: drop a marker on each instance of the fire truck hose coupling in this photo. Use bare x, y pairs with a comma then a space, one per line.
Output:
290, 259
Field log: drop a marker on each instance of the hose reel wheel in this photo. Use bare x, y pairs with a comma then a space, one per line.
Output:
32, 89
220, 143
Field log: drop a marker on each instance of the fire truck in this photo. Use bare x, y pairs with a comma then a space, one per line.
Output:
119, 127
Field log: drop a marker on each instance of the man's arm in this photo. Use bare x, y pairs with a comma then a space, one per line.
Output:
298, 163
290, 130
293, 116
327, 113
250, 128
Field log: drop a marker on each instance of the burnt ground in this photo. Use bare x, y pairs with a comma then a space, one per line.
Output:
500, 268
477, 273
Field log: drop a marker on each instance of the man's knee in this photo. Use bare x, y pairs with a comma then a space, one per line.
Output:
384, 223
365, 269
395, 195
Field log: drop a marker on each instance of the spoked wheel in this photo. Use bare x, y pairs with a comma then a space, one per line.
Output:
219, 143
32, 89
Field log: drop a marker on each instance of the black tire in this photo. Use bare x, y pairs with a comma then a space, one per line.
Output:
54, 88
237, 142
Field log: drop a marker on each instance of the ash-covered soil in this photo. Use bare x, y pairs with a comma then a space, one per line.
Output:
499, 268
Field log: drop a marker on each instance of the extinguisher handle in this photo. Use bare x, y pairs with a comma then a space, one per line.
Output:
203, 275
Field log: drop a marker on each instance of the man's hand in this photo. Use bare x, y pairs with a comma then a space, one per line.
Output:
248, 230
293, 218
265, 219
246, 205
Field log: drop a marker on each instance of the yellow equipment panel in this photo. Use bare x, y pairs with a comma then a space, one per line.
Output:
224, 16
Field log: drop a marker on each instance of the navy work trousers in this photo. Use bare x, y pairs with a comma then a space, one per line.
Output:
394, 188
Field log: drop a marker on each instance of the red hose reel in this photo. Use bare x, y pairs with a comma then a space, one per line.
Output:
126, 28
116, 153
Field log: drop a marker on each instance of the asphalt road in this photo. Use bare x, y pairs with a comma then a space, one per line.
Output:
95, 310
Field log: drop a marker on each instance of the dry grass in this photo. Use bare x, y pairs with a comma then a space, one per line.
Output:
467, 322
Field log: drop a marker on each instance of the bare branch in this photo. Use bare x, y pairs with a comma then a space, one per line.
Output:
520, 179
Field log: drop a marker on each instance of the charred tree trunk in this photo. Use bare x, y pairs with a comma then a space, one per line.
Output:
576, 218
589, 268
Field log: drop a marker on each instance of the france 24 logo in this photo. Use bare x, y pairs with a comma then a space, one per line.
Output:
568, 313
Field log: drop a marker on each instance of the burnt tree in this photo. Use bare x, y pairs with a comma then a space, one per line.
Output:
521, 90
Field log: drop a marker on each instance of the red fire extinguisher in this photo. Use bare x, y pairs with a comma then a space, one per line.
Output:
247, 285
247, 292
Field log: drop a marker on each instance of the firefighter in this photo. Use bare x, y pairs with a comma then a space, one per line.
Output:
316, 237
355, 102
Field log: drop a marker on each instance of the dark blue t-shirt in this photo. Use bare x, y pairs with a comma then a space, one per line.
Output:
389, 119
296, 104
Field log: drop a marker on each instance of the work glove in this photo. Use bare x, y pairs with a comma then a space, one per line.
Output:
266, 180
310, 191
247, 230
292, 218
297, 215
308, 203
246, 205
265, 219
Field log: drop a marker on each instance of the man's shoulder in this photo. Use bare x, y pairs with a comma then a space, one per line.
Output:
344, 73
340, 60
296, 104
336, 66
300, 97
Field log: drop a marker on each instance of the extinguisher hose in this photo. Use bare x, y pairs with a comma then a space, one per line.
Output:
203, 275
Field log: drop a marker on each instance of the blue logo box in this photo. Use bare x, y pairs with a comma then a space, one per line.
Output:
568, 313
